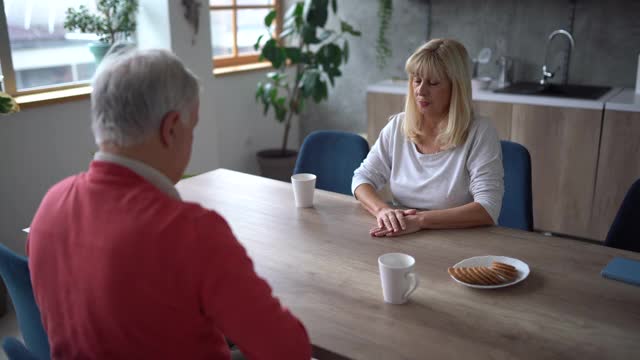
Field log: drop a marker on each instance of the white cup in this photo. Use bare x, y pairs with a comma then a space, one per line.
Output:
303, 186
397, 277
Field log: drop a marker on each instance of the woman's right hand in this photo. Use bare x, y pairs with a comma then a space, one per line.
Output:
393, 219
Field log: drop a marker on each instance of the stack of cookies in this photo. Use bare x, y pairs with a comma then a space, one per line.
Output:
496, 274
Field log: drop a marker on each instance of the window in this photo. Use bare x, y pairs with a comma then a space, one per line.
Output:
36, 52
235, 27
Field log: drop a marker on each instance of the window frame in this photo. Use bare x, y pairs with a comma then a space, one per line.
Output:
8, 70
222, 61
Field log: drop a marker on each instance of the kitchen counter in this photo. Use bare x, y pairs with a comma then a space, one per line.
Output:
626, 100
400, 87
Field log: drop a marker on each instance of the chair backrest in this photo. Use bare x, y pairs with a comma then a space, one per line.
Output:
16, 350
624, 233
332, 156
517, 204
14, 270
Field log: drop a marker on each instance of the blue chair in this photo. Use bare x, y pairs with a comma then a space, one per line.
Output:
517, 204
16, 350
624, 233
332, 156
14, 270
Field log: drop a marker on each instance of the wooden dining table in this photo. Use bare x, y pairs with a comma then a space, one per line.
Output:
323, 265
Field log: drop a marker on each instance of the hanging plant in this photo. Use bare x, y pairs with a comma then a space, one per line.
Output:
383, 48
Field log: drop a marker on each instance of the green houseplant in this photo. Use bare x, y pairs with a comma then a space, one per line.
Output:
317, 54
8, 104
115, 20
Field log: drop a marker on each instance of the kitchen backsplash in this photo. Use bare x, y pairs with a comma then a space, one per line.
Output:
606, 33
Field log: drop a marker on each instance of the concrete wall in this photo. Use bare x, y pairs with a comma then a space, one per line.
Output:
607, 36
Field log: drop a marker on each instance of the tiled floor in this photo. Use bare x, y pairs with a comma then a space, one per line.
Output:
8, 327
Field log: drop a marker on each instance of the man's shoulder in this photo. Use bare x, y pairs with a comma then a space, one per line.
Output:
203, 221
62, 186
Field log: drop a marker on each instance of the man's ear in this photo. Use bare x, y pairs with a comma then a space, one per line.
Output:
168, 128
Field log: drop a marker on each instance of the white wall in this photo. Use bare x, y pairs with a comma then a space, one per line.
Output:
41, 146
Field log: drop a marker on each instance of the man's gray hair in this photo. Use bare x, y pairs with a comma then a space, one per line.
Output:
134, 89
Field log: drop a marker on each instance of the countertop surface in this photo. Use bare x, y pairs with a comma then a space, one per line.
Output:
626, 100
400, 87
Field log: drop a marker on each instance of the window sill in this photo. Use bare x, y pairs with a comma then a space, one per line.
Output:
53, 97
81, 93
229, 70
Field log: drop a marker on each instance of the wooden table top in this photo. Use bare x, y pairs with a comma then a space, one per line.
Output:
322, 264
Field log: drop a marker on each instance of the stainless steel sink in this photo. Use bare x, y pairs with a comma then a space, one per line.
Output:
567, 91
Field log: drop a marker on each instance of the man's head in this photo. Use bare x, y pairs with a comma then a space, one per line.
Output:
144, 105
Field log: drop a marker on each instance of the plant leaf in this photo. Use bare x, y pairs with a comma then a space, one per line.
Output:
320, 91
345, 51
346, 27
256, 46
269, 18
274, 53
309, 34
334, 54
294, 54
5, 105
281, 112
259, 91
316, 12
309, 81
295, 10
334, 6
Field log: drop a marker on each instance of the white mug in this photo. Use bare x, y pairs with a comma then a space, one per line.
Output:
397, 277
303, 186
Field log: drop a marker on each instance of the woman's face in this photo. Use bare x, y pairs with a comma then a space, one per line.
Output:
432, 95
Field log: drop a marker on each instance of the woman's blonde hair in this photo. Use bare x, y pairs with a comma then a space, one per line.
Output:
441, 58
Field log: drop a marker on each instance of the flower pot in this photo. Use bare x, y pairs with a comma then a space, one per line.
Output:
99, 50
277, 165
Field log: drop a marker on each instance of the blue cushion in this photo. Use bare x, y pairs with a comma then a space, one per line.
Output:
517, 204
332, 156
625, 231
15, 273
16, 350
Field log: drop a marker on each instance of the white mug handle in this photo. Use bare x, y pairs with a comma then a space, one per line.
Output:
413, 278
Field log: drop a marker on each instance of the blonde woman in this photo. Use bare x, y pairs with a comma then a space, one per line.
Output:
443, 165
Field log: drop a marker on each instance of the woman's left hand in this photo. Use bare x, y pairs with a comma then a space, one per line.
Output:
412, 223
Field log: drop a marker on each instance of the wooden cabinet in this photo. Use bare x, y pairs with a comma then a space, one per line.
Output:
499, 114
380, 106
563, 143
618, 167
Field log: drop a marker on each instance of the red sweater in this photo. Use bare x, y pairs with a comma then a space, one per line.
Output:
123, 270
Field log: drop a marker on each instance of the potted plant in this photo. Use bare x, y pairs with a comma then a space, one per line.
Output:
8, 104
115, 20
317, 53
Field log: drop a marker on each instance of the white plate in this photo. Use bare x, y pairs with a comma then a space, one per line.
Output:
521, 266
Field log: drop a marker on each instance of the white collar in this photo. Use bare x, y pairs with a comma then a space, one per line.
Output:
152, 175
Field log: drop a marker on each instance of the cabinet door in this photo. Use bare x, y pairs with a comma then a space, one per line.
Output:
499, 114
563, 143
618, 167
380, 106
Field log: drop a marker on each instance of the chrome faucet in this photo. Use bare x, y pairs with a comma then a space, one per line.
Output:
548, 74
